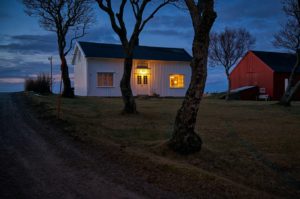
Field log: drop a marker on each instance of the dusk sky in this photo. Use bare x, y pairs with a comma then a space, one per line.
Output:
25, 47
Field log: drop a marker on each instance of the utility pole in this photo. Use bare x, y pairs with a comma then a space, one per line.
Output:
59, 96
50, 59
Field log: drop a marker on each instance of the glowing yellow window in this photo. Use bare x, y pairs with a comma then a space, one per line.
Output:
176, 81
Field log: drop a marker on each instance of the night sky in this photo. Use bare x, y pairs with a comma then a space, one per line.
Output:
25, 47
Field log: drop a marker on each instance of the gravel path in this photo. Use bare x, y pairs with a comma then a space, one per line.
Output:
39, 161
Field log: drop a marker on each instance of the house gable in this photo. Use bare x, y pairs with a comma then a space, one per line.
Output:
251, 71
80, 72
269, 70
77, 51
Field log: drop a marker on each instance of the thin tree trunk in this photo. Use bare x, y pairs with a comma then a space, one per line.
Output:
128, 99
67, 91
284, 101
291, 90
228, 87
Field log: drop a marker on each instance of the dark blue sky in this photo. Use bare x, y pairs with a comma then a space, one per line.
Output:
25, 47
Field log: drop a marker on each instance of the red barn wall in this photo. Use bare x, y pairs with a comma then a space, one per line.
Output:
251, 71
279, 85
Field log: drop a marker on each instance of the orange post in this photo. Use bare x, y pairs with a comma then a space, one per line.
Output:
59, 99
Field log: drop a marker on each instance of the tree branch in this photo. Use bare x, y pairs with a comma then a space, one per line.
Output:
153, 13
135, 6
120, 16
108, 9
74, 38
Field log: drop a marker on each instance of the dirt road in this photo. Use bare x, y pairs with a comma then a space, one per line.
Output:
39, 161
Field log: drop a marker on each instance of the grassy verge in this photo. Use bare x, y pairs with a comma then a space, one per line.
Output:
251, 149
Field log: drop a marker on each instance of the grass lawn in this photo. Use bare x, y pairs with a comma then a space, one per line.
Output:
251, 149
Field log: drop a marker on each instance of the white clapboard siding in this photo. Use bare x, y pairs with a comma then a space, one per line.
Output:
96, 65
161, 72
80, 75
86, 70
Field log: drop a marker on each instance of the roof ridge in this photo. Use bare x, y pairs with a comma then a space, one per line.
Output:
270, 52
107, 50
137, 46
277, 61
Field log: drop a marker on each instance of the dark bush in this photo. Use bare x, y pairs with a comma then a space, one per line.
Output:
39, 85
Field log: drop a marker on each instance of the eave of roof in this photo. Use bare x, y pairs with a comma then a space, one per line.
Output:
243, 88
102, 50
278, 62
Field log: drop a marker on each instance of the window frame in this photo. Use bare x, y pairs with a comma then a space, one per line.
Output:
139, 79
142, 80
97, 76
181, 87
145, 79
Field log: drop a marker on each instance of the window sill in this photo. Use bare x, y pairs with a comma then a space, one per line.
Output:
105, 87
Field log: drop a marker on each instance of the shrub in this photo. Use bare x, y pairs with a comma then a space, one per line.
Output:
39, 85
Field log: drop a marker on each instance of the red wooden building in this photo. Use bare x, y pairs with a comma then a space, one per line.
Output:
268, 71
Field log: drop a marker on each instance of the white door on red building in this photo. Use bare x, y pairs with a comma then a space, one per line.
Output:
286, 82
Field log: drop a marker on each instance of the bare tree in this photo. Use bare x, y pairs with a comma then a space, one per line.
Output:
184, 139
227, 47
68, 19
119, 26
289, 38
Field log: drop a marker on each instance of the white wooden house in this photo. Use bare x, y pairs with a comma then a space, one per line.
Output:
156, 71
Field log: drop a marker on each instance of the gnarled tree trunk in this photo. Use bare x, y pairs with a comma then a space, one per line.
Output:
184, 138
119, 26
128, 99
67, 91
292, 87
295, 88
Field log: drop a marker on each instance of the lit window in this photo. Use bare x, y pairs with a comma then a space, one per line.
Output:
139, 79
145, 79
142, 79
176, 81
105, 79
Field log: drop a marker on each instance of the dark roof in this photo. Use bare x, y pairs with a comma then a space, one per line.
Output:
140, 52
243, 88
278, 62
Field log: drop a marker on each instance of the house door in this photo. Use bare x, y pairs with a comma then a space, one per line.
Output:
142, 82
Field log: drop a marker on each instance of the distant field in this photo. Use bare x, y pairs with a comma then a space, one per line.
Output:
253, 146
